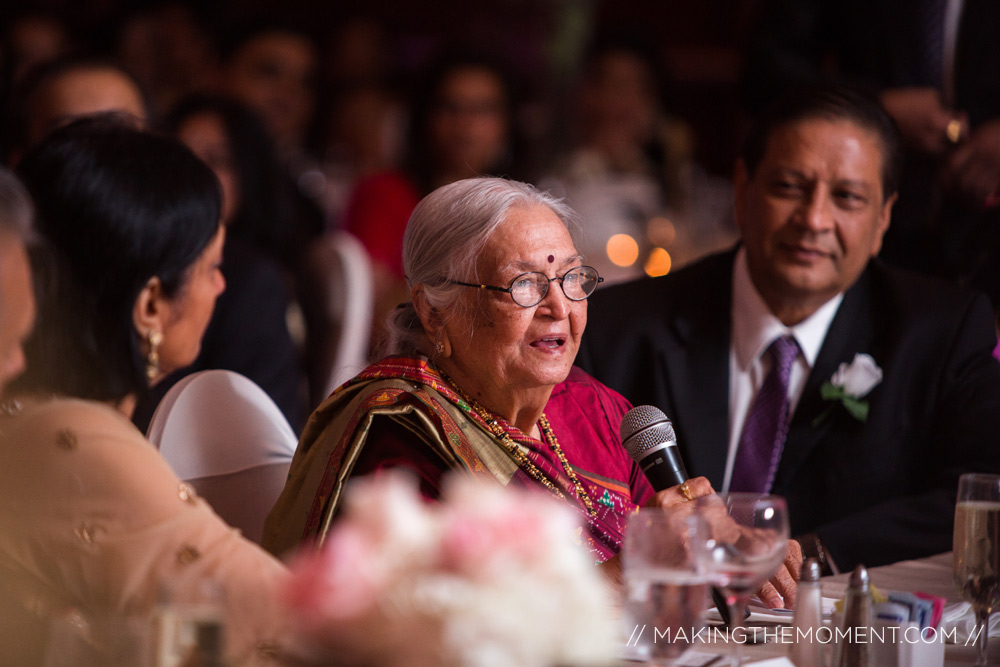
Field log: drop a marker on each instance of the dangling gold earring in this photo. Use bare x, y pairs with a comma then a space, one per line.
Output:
154, 339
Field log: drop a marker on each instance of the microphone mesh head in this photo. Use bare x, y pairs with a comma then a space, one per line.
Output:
645, 427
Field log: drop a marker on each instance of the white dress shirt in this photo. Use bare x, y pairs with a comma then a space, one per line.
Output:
754, 328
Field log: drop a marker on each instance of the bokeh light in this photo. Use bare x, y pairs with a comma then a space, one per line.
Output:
658, 263
622, 250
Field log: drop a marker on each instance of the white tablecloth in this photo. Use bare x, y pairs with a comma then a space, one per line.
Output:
930, 575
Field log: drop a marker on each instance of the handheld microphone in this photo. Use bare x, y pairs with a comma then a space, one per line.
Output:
648, 437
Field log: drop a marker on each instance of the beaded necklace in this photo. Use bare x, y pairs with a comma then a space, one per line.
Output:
519, 457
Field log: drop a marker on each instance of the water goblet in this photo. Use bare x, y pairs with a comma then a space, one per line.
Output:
747, 542
665, 593
976, 550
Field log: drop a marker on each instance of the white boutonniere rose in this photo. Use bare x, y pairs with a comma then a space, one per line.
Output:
849, 385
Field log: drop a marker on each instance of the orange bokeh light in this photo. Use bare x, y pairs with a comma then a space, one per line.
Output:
622, 250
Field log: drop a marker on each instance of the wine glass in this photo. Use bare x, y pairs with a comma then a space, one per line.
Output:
746, 545
976, 550
665, 593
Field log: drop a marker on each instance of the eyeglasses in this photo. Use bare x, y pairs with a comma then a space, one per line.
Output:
528, 289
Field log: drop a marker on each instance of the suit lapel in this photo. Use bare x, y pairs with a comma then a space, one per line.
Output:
698, 372
850, 333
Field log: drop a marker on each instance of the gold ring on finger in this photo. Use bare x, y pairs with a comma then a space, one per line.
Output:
686, 491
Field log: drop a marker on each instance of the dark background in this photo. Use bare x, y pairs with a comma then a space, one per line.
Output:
698, 45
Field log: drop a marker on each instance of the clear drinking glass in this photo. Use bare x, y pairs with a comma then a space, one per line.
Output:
101, 640
748, 537
976, 550
665, 593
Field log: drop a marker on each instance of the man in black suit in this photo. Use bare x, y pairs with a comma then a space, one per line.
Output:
870, 476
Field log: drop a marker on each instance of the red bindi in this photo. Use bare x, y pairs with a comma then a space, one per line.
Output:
551, 259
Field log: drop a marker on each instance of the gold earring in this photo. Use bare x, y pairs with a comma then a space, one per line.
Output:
443, 347
154, 339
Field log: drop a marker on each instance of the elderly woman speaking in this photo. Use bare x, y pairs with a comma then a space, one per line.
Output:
481, 376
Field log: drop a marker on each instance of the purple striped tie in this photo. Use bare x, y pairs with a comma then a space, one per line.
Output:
766, 424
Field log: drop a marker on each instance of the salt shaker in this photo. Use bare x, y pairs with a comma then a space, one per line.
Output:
807, 651
857, 616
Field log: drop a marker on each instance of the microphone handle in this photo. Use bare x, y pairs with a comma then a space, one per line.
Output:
664, 468
719, 600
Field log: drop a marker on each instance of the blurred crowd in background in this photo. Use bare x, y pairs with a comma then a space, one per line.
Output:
321, 120
554, 92
327, 122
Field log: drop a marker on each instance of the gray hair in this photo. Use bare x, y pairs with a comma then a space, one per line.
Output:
444, 237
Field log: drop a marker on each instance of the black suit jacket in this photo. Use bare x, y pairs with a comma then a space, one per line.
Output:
874, 492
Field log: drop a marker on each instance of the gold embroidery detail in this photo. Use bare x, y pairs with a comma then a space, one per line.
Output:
186, 493
77, 621
187, 555
66, 439
85, 533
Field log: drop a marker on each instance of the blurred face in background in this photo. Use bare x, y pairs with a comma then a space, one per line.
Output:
169, 51
618, 100
80, 92
32, 40
205, 134
468, 123
274, 74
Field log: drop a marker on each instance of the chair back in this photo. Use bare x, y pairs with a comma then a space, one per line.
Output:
338, 299
223, 435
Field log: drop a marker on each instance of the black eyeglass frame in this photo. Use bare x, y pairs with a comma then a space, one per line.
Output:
548, 281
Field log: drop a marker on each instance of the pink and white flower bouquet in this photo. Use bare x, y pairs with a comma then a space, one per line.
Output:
488, 577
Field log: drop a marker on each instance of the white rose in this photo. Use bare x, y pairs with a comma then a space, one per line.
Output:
859, 378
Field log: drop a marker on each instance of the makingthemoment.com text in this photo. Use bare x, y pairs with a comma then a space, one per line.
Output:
889, 634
